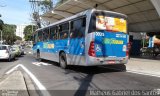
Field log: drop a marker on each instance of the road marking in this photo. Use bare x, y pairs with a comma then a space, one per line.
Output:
14, 68
40, 63
135, 72
36, 81
28, 52
143, 73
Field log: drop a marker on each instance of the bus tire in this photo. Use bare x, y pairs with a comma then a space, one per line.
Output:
38, 56
63, 60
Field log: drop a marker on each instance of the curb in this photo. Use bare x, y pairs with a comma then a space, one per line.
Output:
13, 84
30, 85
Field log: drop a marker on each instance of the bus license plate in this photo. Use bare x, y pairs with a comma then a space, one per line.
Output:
111, 62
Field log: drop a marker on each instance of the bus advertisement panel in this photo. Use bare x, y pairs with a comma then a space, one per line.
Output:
109, 38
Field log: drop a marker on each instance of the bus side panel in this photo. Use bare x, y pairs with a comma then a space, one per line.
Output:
49, 51
76, 52
52, 48
74, 49
36, 47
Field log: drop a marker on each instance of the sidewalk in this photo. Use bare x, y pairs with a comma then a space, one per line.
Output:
146, 66
13, 85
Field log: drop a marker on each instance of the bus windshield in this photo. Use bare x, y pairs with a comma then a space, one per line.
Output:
110, 22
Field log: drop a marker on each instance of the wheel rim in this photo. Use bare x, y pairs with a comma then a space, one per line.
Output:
62, 62
38, 55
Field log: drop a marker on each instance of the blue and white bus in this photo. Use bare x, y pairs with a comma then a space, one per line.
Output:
90, 38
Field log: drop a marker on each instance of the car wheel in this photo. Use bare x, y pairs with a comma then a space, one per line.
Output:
9, 59
14, 58
63, 60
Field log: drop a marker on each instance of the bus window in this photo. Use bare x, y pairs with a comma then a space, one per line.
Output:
46, 34
78, 28
63, 30
35, 37
53, 34
84, 22
40, 35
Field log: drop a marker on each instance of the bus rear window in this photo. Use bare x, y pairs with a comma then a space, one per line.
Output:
108, 22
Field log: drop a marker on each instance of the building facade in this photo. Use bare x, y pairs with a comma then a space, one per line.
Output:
20, 30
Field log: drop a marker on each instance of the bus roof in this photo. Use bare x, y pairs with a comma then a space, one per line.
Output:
82, 14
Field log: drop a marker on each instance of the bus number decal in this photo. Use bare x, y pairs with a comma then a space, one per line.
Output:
99, 34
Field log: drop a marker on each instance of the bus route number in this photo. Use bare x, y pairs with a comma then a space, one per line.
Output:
99, 34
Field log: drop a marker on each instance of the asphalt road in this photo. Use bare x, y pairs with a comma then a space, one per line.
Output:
81, 78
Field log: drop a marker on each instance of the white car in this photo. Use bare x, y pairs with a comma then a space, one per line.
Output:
6, 52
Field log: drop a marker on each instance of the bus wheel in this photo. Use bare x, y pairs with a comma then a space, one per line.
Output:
38, 56
63, 60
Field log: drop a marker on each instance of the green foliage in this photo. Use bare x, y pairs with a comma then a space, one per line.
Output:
1, 24
28, 31
46, 5
8, 32
18, 38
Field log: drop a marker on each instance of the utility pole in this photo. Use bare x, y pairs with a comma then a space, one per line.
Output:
35, 11
36, 5
1, 24
1, 37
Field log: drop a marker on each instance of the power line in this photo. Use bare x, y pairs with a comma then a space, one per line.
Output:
35, 8
35, 4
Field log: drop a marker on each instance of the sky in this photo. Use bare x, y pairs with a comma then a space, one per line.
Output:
15, 11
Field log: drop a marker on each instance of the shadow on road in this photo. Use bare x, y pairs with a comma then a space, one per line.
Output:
96, 69
83, 88
84, 75
86, 80
13, 60
90, 69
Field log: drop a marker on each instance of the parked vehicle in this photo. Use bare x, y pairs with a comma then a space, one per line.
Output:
21, 50
6, 52
16, 50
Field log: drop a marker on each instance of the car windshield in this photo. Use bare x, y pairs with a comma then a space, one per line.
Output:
3, 47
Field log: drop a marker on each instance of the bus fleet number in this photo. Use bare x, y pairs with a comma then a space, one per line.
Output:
99, 34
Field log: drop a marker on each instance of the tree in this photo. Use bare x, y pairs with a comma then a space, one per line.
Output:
18, 38
28, 31
46, 5
9, 33
43, 5
1, 24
